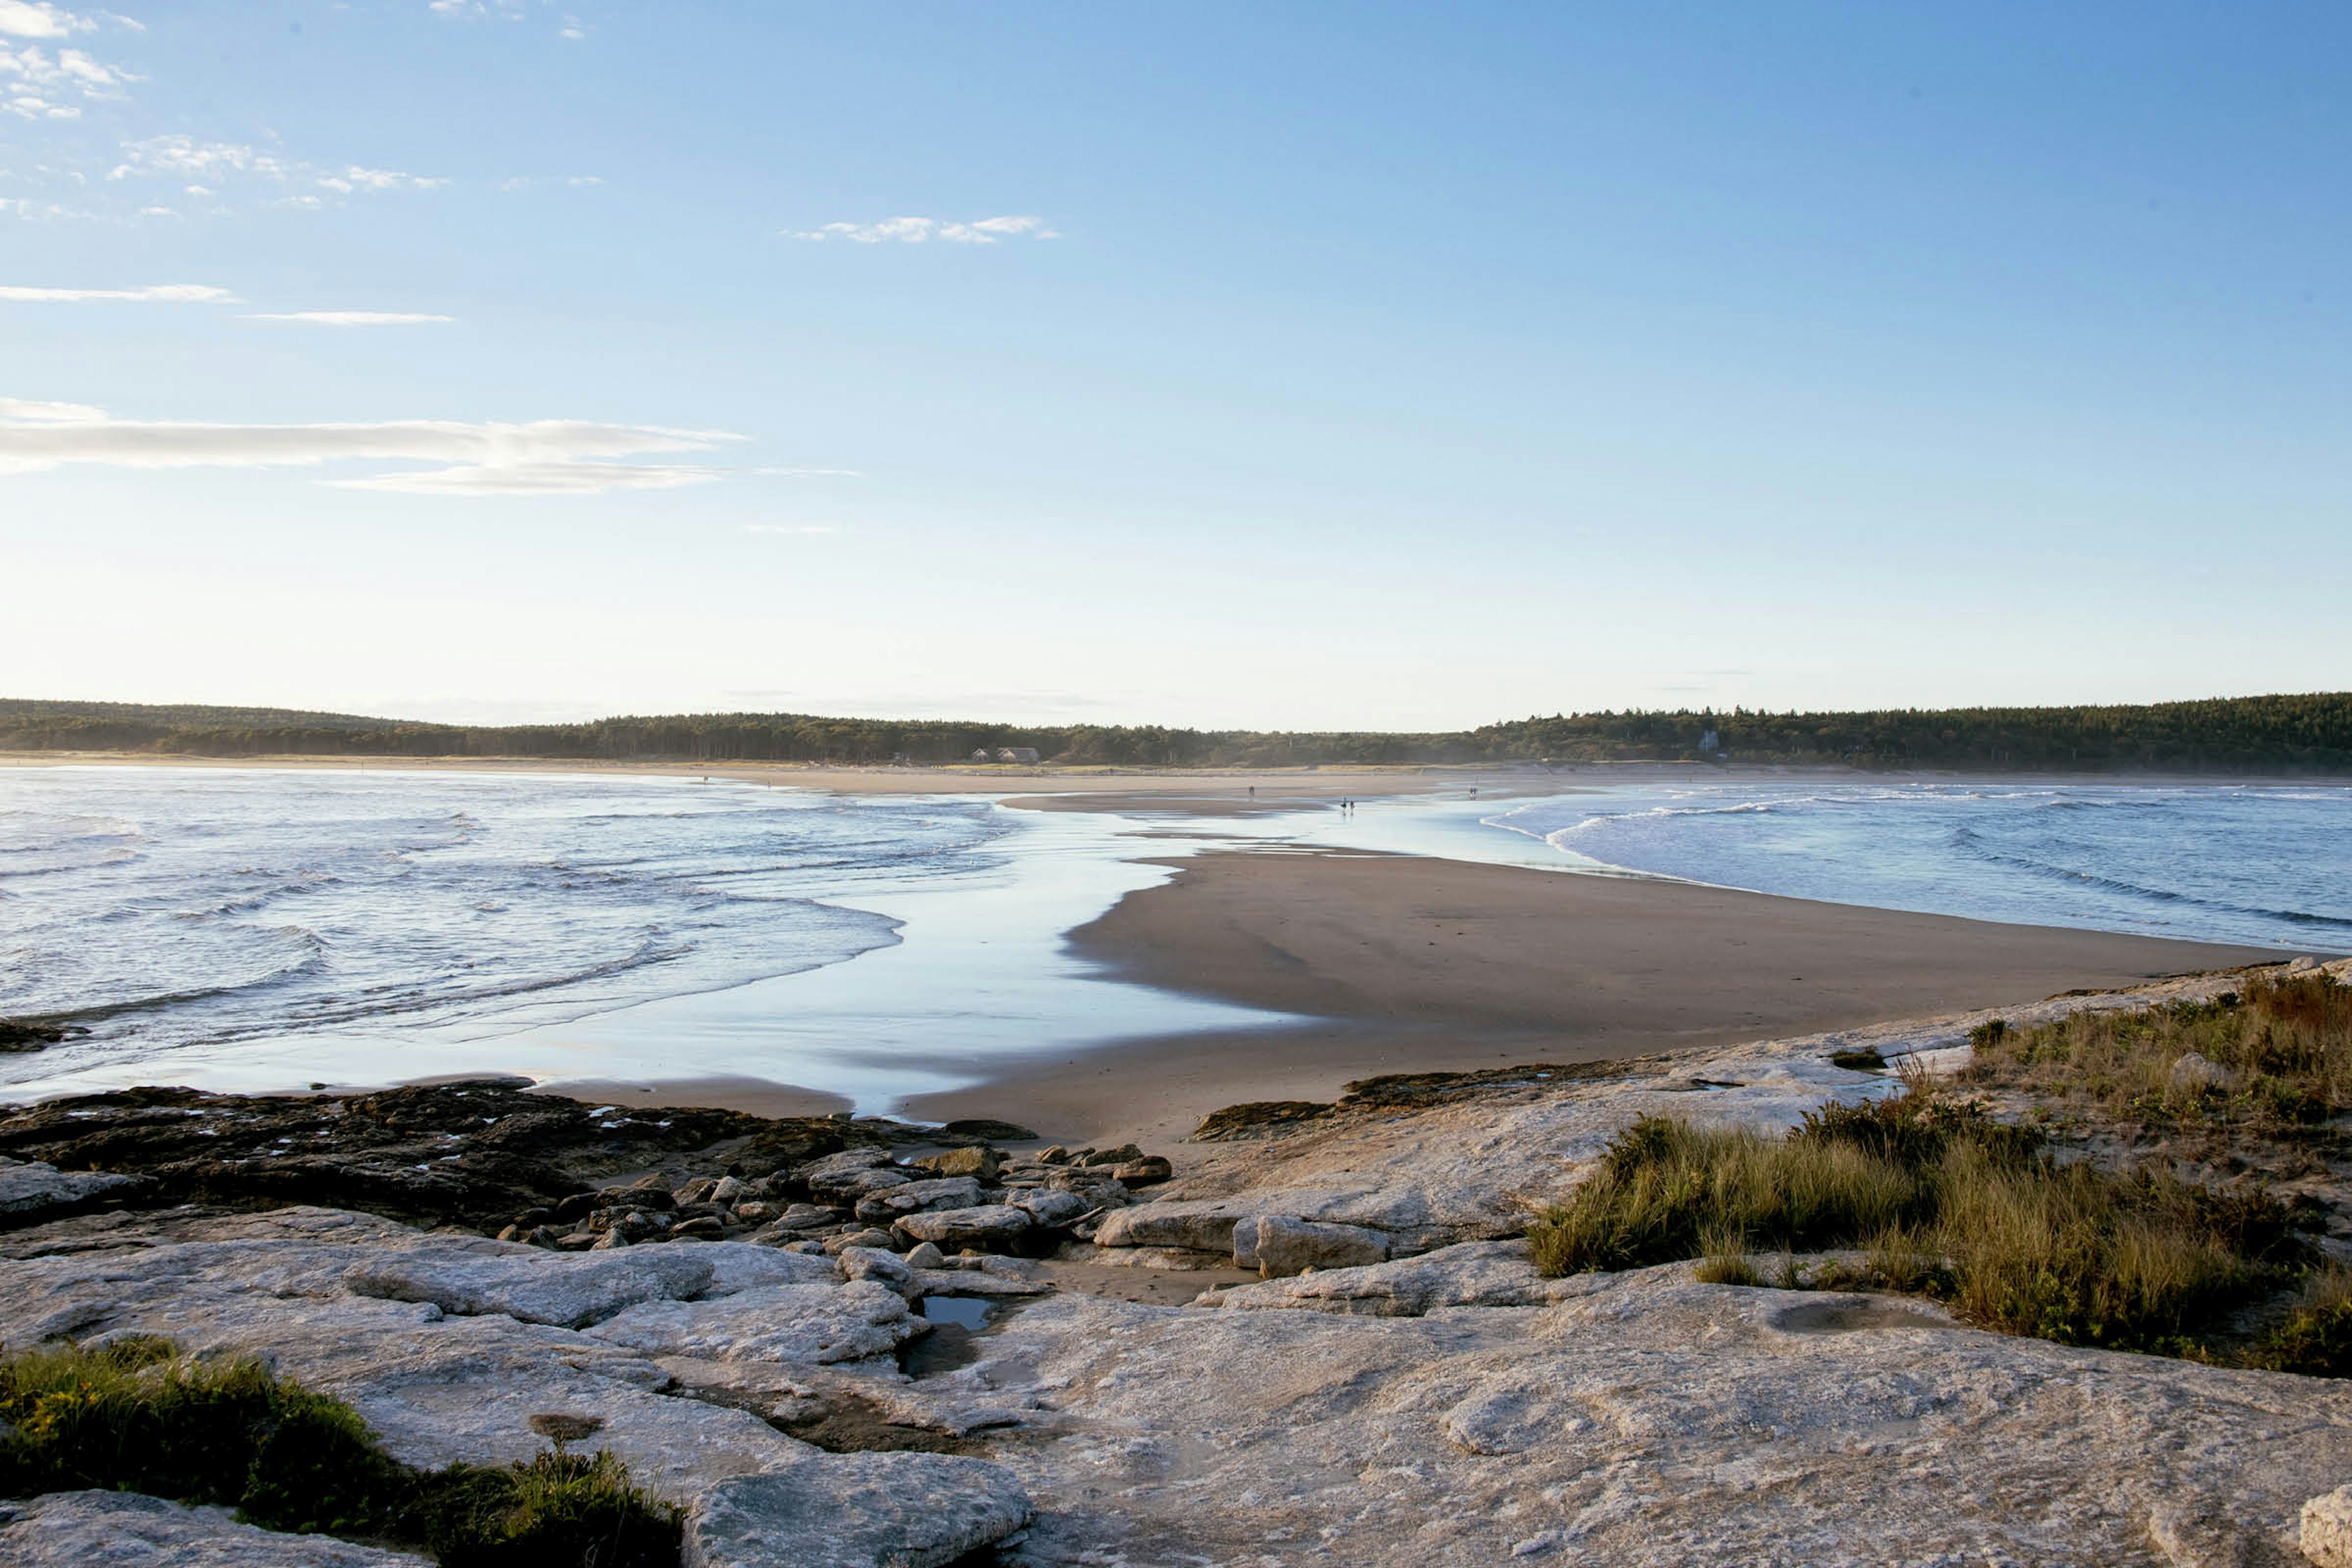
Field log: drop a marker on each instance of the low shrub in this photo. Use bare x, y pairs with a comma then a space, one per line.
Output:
2315, 1338
2283, 1044
136, 1415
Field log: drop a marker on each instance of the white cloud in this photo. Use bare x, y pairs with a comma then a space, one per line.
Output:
552, 479
152, 293
544, 457
348, 317
32, 19
920, 230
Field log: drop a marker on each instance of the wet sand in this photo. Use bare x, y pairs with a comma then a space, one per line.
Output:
1421, 965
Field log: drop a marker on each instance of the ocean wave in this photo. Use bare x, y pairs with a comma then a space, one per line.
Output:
1972, 842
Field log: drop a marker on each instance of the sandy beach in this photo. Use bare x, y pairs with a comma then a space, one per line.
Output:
1419, 964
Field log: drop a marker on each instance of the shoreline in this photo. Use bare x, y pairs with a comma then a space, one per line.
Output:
1407, 964
1016, 782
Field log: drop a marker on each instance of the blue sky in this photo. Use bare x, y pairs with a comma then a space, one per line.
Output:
1288, 366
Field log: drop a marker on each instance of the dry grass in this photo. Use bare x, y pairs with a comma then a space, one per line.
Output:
1945, 1200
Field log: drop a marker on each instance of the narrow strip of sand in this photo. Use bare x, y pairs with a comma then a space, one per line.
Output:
1415, 964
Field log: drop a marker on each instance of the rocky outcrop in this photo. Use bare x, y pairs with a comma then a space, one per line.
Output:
31, 1191
870, 1510
784, 1325
482, 1153
1643, 1420
1474, 1274
82, 1529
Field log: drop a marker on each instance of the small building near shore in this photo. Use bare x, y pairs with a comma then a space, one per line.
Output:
1016, 753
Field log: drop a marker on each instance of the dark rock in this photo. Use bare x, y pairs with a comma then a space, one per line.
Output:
477, 1153
1256, 1118
30, 1037
1118, 1156
986, 1131
1144, 1173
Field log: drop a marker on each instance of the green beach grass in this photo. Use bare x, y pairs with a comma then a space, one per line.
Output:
136, 1415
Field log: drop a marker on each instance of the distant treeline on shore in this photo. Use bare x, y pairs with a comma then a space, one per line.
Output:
2284, 735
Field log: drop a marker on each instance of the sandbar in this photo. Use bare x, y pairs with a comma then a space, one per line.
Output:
1410, 964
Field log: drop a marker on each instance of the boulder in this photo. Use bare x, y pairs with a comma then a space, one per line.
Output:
885, 1269
912, 1197
2327, 1526
923, 1254
842, 1164
857, 1511
979, 1163
1285, 1246
528, 1284
2195, 1074
1203, 1226
869, 1237
990, 1225
1150, 1171
77, 1529
1051, 1209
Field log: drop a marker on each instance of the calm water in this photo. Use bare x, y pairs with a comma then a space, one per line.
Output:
260, 929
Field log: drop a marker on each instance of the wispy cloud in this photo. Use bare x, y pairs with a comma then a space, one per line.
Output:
544, 456
549, 479
922, 230
355, 178
187, 158
790, 528
525, 182
149, 294
347, 318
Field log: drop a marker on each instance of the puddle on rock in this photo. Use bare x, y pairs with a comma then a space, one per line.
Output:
956, 1321
969, 1313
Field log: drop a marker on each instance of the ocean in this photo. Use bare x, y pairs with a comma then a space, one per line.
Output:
262, 929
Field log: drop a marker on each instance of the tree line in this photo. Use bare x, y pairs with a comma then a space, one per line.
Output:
2275, 734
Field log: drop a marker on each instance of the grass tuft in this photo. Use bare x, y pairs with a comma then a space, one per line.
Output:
1943, 1199
136, 1415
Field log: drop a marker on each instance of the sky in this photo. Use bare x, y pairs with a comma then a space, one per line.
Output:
1268, 365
